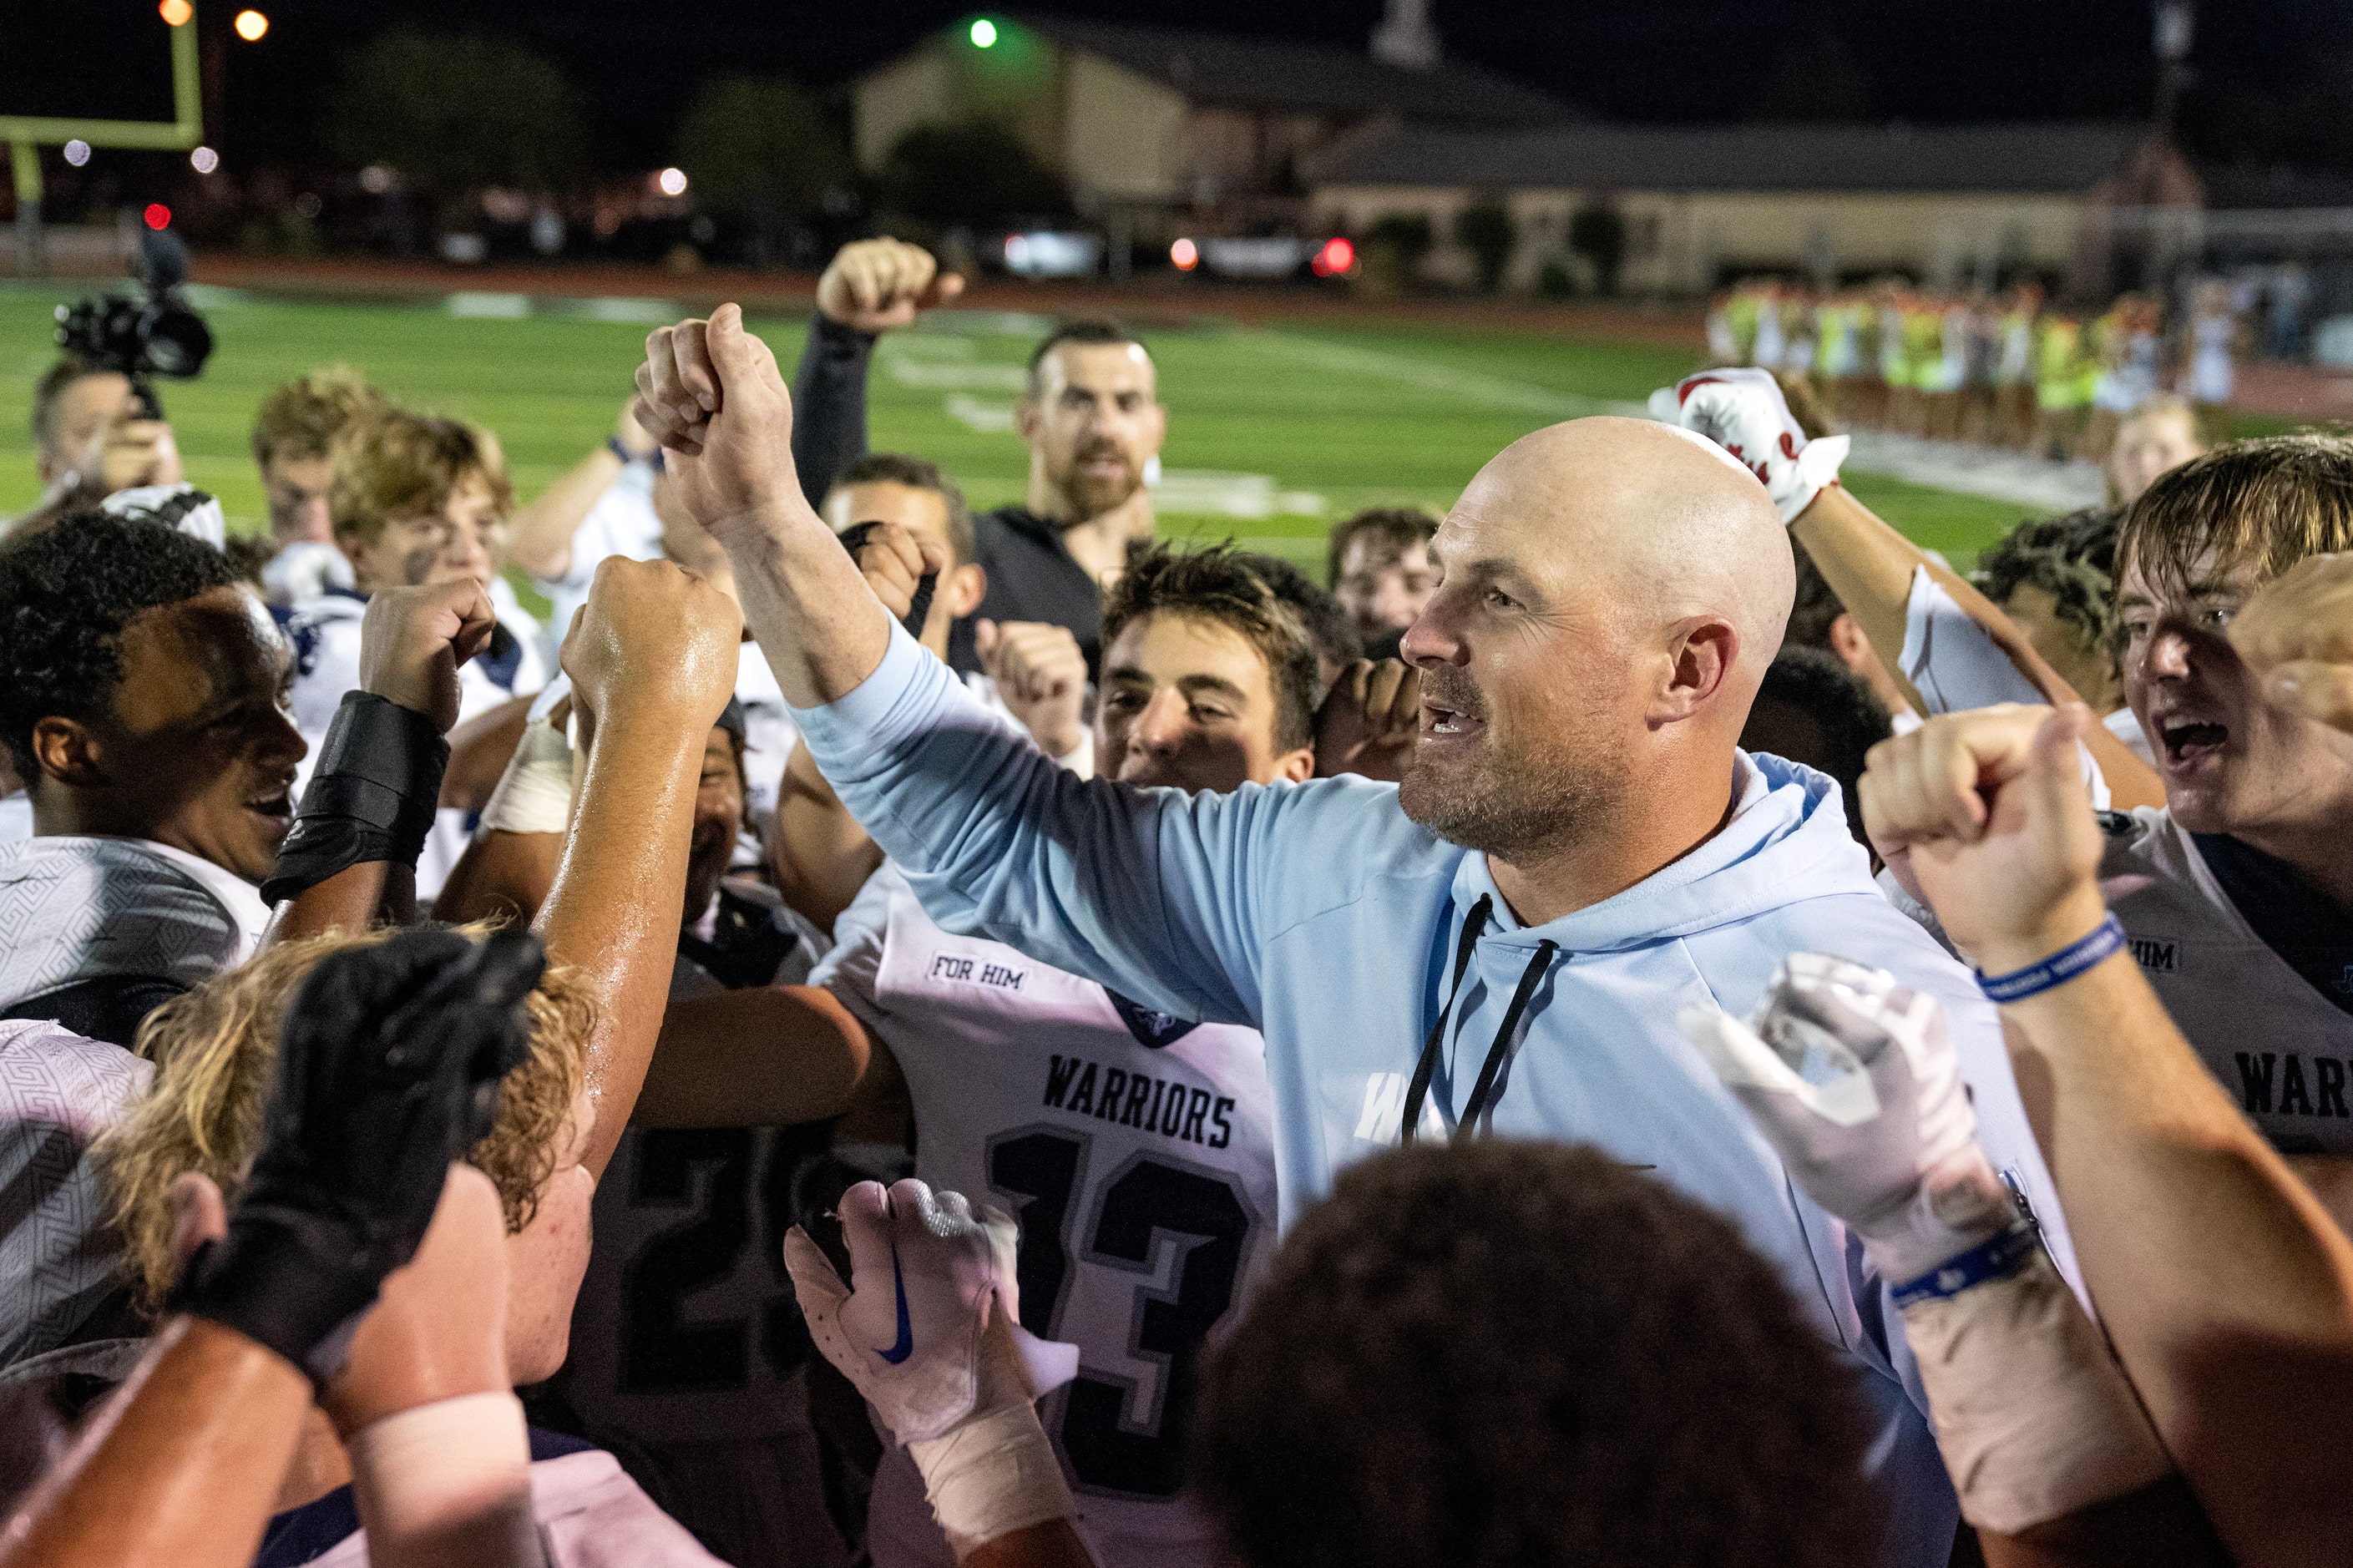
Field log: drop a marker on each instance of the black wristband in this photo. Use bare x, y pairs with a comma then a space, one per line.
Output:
838, 340
373, 797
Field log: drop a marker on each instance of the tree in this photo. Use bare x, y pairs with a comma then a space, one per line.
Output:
1394, 247
456, 112
1598, 233
969, 173
761, 142
1487, 232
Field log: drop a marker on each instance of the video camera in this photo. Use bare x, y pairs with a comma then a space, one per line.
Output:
161, 337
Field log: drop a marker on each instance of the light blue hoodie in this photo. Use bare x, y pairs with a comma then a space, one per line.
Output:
1319, 914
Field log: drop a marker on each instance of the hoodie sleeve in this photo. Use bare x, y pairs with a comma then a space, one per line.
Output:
1159, 895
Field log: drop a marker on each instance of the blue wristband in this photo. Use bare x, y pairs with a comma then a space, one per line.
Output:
613, 443
2058, 969
1999, 1259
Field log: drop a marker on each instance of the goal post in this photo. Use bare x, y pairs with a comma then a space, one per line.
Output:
27, 133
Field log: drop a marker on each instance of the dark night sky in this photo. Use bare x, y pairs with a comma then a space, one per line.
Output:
638, 61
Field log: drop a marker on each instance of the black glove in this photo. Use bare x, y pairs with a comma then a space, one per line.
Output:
388, 1070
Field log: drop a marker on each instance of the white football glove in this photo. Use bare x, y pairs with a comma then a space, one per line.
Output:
1743, 412
929, 1327
1850, 1077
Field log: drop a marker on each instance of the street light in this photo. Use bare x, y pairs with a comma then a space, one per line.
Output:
203, 160
250, 26
175, 13
984, 33
672, 181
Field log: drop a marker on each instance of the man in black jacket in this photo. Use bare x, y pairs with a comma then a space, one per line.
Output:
1091, 415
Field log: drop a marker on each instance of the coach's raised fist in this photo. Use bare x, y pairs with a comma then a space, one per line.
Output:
412, 641
653, 639
710, 393
2297, 634
875, 285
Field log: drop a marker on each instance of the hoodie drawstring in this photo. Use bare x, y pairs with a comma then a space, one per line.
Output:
1473, 924
1427, 1068
1530, 978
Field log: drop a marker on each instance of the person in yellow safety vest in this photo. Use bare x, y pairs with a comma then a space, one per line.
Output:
1894, 363
1923, 339
1741, 311
2061, 387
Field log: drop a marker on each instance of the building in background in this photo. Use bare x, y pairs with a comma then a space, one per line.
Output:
1158, 131
1702, 204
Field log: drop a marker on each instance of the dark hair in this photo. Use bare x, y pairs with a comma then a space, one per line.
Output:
2271, 501
1395, 529
1495, 1353
1846, 716
66, 594
2070, 558
50, 391
916, 473
1220, 585
1091, 330
1328, 625
1816, 607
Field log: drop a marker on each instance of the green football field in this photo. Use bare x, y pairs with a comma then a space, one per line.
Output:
1273, 434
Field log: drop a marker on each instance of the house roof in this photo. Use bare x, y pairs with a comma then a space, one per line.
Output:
2052, 156
1273, 73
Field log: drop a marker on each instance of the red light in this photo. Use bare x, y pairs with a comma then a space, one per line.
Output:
1336, 256
158, 216
1184, 255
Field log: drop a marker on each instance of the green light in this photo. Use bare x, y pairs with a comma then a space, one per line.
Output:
984, 33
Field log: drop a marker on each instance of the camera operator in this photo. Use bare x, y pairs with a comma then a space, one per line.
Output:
97, 426
92, 437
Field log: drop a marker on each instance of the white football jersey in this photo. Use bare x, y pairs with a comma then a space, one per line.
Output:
2281, 1049
1138, 1151
2274, 1040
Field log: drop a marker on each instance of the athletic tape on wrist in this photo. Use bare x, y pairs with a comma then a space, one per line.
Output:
994, 1475
372, 797
1997, 1258
2033, 1419
2062, 966
534, 794
443, 1464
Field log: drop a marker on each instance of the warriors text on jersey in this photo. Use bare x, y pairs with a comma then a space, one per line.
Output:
1136, 1149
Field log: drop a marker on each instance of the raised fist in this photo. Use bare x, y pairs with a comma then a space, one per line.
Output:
875, 285
711, 393
2297, 635
1983, 816
412, 641
1743, 412
1368, 721
928, 1327
655, 638
1041, 676
894, 560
